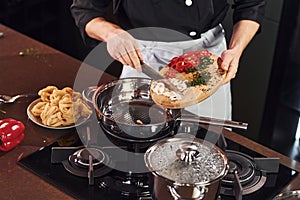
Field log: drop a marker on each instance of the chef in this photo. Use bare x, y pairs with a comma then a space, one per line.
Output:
154, 31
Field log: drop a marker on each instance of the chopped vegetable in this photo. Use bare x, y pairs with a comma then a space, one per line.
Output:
199, 79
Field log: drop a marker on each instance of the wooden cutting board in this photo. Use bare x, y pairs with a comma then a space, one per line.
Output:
196, 74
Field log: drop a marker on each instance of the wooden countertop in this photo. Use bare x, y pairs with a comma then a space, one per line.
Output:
39, 66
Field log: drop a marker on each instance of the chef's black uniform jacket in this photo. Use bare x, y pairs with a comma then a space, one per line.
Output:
190, 17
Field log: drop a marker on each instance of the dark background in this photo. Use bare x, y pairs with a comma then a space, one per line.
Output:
48, 21
266, 92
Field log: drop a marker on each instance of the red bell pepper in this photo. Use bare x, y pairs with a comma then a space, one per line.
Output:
180, 64
11, 133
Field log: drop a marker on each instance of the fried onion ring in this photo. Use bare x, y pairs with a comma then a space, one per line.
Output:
60, 107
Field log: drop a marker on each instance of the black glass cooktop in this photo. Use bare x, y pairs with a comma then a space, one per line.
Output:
116, 185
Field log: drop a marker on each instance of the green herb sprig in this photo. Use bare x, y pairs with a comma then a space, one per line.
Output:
200, 79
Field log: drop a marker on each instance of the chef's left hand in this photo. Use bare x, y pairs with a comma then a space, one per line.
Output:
230, 62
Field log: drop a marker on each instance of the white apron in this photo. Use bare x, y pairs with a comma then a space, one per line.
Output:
158, 54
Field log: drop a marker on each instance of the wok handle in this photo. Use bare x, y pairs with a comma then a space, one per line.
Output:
213, 121
88, 93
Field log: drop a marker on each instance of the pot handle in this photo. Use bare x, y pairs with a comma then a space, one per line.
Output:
176, 196
213, 121
88, 93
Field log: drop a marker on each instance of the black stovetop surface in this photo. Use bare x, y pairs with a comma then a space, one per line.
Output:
40, 164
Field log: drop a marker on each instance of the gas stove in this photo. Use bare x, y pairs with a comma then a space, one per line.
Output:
95, 171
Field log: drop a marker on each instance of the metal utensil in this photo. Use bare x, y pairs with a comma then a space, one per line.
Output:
155, 75
288, 195
11, 99
152, 73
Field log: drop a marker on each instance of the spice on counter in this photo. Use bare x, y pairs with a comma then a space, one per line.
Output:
11, 133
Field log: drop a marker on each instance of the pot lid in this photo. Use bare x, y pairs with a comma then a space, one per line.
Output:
186, 161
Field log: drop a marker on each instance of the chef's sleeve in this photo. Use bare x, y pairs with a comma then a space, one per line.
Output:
249, 10
84, 11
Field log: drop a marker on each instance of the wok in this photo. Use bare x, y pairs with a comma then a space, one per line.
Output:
126, 111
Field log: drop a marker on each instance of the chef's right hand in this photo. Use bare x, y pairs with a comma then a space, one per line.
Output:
124, 48
120, 44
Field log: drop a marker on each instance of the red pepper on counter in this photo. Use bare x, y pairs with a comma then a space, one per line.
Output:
11, 133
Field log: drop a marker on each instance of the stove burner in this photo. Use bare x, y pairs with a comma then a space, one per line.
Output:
128, 185
84, 160
243, 165
81, 157
250, 178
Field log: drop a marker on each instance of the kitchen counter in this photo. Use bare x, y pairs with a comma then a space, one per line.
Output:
27, 66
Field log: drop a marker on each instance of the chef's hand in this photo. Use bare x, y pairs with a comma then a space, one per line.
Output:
230, 62
120, 44
124, 48
243, 32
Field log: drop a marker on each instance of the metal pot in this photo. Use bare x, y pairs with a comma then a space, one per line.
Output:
186, 168
127, 112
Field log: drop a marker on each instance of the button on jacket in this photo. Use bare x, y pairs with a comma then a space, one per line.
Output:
190, 17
